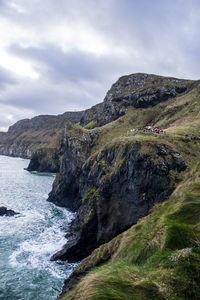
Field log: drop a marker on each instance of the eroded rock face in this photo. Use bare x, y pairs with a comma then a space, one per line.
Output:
112, 190
44, 160
137, 90
75, 151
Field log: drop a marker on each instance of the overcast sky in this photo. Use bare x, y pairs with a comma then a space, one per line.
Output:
63, 55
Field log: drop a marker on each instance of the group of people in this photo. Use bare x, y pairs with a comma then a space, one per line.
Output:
148, 129
192, 137
157, 130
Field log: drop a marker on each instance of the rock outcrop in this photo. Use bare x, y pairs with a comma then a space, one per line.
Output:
75, 151
44, 160
7, 212
137, 90
111, 189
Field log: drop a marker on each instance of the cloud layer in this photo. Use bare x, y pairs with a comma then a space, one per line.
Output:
57, 56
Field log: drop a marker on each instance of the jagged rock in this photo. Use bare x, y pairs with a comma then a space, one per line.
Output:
137, 90
7, 212
44, 160
113, 195
66, 185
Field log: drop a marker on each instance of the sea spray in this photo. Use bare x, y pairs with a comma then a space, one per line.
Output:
28, 240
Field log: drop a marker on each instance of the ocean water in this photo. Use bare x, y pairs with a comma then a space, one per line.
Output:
28, 240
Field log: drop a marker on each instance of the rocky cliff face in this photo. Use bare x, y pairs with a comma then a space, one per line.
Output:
44, 160
75, 149
113, 186
26, 136
111, 189
136, 90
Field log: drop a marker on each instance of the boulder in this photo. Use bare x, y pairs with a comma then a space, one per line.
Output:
7, 212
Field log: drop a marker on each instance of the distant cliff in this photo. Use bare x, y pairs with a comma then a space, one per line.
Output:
26, 136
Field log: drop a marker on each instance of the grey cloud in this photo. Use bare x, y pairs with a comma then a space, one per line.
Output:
6, 78
73, 66
45, 98
155, 36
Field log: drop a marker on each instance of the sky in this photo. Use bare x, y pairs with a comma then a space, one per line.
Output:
63, 55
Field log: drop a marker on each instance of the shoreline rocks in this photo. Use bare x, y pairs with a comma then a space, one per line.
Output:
44, 160
7, 212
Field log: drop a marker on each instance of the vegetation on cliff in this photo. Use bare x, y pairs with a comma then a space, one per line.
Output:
113, 178
44, 160
28, 135
159, 257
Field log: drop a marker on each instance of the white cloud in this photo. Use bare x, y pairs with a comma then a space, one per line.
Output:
64, 55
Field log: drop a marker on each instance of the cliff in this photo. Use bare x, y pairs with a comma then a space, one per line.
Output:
135, 194
158, 258
113, 189
26, 136
111, 177
136, 90
44, 160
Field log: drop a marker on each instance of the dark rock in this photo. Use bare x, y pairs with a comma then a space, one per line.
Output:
114, 195
44, 160
3, 210
136, 90
180, 162
7, 212
75, 150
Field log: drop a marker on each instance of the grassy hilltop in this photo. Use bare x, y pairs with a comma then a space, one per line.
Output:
159, 257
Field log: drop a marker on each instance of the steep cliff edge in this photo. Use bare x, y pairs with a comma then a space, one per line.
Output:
112, 177
76, 148
158, 258
117, 187
44, 160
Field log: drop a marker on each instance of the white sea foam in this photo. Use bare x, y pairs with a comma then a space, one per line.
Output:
36, 253
28, 240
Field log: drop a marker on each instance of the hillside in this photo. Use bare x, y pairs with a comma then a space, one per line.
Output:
137, 90
113, 178
135, 193
26, 136
158, 258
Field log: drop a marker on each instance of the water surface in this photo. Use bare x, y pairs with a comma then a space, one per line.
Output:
28, 240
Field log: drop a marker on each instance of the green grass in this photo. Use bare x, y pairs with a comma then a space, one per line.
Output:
159, 257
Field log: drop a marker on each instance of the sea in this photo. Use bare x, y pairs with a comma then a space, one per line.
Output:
28, 240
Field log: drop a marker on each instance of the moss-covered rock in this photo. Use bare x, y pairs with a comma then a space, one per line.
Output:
159, 258
136, 90
44, 160
118, 185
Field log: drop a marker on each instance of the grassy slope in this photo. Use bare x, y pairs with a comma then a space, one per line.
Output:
158, 258
180, 116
